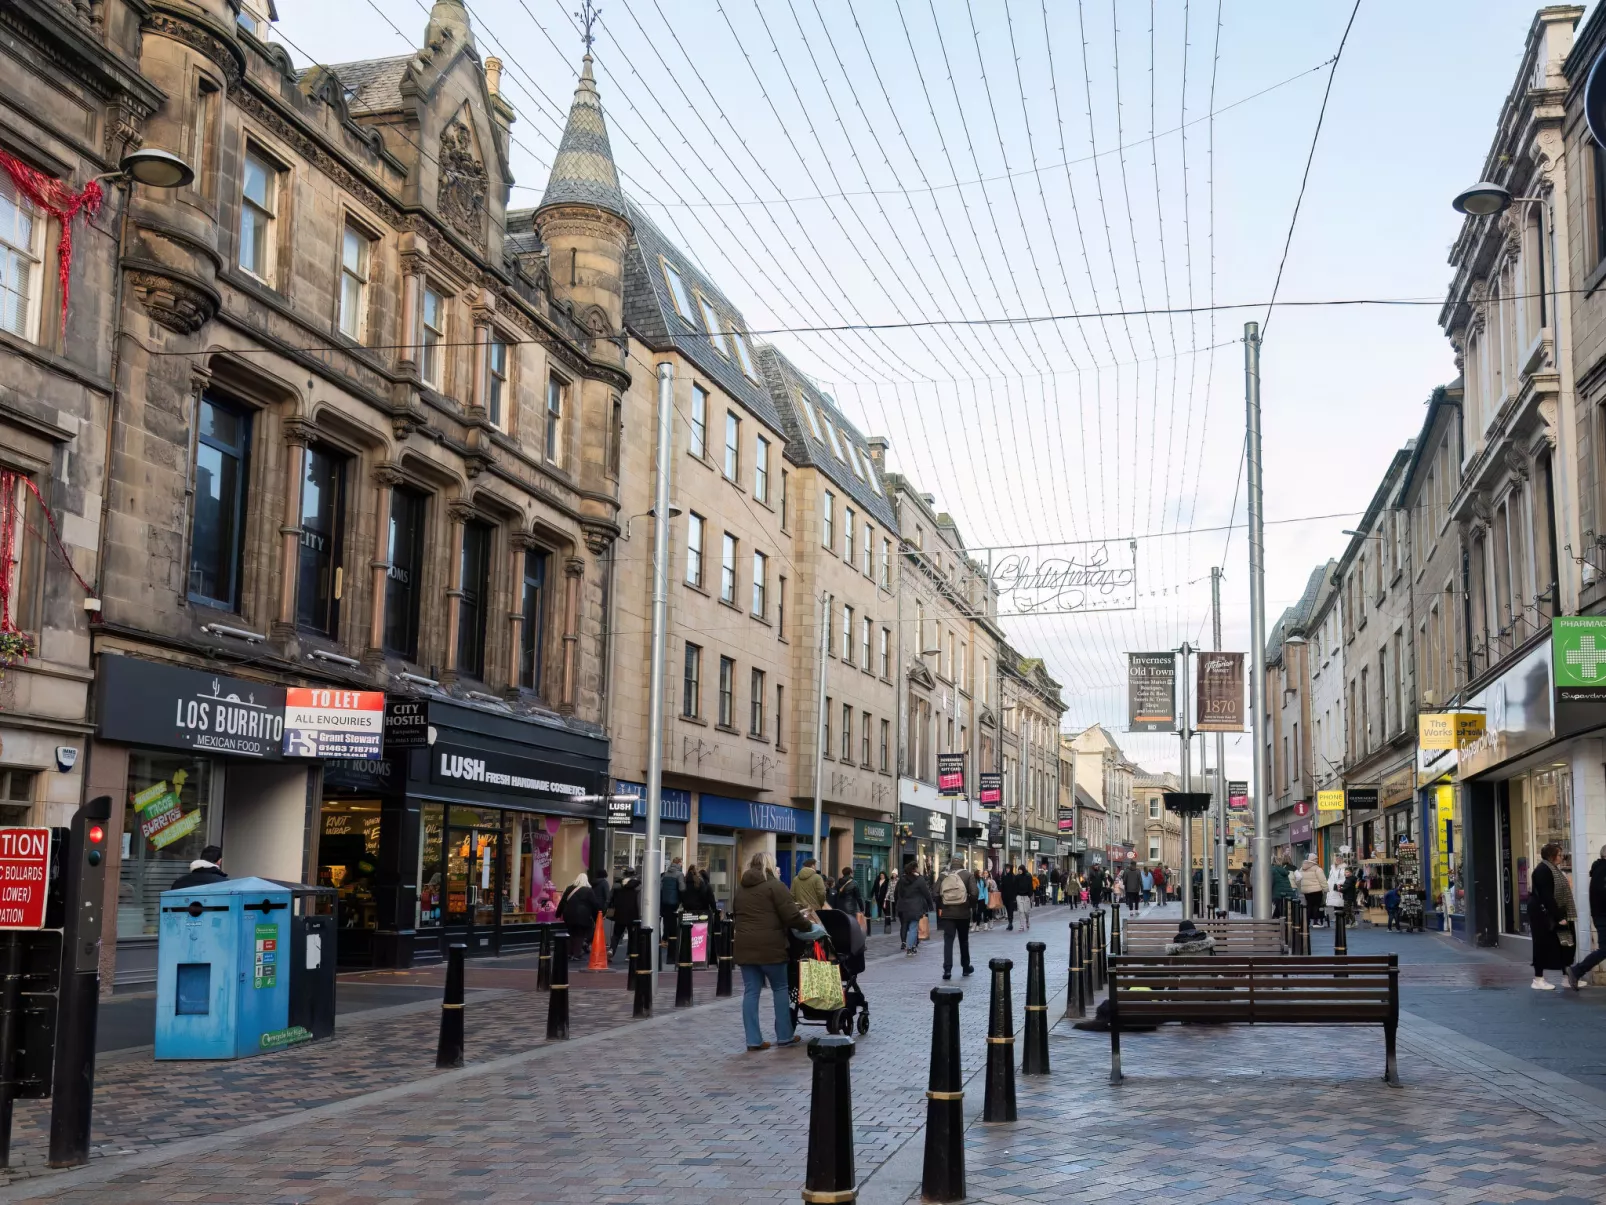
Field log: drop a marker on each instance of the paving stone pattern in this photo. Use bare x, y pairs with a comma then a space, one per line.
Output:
675, 1110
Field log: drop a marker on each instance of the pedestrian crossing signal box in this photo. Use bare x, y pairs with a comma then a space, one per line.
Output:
223, 967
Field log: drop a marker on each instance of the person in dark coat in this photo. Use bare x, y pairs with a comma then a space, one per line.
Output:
204, 871
912, 899
1132, 886
1597, 913
697, 896
1550, 913
762, 910
956, 895
579, 911
602, 889
846, 895
1015, 883
878, 893
626, 908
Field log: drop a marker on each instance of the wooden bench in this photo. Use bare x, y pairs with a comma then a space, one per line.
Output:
1359, 989
1233, 937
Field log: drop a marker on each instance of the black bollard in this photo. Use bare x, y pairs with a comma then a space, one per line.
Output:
944, 1176
711, 941
666, 931
1340, 937
1101, 954
449, 1050
1115, 930
1086, 937
543, 963
1075, 1005
644, 976
1034, 1059
727, 957
830, 1175
999, 1104
632, 953
1304, 921
683, 967
557, 1009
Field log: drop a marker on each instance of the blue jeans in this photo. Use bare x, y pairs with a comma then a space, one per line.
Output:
753, 980
911, 934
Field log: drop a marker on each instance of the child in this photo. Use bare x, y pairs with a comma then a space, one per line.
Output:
1391, 901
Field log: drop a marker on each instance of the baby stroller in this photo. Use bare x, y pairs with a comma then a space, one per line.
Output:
843, 944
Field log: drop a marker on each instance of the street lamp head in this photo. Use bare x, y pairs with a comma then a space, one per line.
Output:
156, 168
1482, 199
674, 512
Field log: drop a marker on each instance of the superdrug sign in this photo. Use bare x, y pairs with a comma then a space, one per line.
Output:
171, 707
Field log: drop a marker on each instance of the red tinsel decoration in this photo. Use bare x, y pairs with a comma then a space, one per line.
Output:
58, 200
11, 528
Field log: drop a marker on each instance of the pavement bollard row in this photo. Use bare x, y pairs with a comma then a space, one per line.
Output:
943, 1177
449, 1049
711, 941
683, 967
1115, 929
1087, 961
557, 1009
999, 1104
644, 975
543, 962
830, 1175
1101, 963
1034, 1057
727, 956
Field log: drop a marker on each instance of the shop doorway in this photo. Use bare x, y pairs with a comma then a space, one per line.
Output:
348, 861
472, 878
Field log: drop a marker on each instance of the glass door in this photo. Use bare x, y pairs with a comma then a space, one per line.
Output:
473, 878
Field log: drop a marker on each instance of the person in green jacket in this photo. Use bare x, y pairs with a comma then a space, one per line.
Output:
1282, 883
808, 888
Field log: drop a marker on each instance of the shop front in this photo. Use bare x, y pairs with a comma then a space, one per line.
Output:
629, 845
481, 826
925, 837
195, 759
1397, 799
1301, 834
746, 827
872, 853
1534, 777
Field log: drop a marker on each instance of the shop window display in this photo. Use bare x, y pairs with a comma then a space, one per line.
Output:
348, 858
167, 814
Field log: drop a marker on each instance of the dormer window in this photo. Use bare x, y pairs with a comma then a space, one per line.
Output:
744, 355
677, 290
814, 419
836, 445
858, 461
716, 334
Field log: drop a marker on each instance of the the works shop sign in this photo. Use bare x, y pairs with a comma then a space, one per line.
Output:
171, 707
496, 773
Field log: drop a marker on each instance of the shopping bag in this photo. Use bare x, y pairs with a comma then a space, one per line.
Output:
819, 985
924, 930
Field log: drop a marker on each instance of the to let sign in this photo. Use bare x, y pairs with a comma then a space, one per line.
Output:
24, 877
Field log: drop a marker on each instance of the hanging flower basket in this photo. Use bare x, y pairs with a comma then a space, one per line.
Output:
15, 648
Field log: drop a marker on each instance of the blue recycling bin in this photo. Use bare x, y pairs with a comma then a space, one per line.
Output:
223, 987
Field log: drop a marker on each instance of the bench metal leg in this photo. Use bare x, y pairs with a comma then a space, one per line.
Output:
1391, 1071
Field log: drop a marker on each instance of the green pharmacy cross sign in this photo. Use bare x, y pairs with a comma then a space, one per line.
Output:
1578, 651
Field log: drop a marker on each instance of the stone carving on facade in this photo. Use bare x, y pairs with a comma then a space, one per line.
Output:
460, 196
388, 475
405, 420
181, 306
202, 37
460, 510
1516, 462
598, 539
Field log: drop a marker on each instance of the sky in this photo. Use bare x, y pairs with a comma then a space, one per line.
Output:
937, 168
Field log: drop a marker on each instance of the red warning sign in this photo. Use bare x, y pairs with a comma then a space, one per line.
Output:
24, 877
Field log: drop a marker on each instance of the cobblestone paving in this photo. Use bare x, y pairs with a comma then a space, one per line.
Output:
674, 1109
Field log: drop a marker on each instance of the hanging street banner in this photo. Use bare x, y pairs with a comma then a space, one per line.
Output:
950, 773
990, 789
1151, 691
1064, 579
1330, 801
1237, 795
1221, 693
1448, 729
1361, 799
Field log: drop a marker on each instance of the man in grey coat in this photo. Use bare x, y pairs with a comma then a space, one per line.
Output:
956, 903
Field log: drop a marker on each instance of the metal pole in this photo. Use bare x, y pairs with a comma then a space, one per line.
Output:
819, 731
654, 868
1261, 843
1221, 752
1187, 785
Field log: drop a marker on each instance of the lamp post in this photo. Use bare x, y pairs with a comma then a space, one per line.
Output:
819, 728
660, 638
1261, 845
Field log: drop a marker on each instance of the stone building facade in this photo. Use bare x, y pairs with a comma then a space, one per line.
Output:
73, 102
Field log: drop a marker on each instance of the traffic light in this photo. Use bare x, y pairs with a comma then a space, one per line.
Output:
96, 840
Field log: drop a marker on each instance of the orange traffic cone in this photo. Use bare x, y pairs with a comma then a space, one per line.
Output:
599, 948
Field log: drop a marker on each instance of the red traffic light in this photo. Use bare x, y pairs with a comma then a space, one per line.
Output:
96, 834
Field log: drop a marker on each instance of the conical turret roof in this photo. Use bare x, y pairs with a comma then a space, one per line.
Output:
583, 173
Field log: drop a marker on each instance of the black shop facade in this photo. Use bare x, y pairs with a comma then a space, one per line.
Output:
467, 830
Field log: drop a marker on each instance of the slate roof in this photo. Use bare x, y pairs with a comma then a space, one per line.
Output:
1298, 615
650, 312
793, 391
373, 85
583, 171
